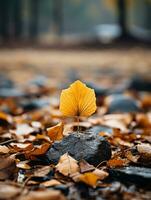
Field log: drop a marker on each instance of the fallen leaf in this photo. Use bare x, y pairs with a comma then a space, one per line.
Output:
89, 178
22, 146
117, 162
43, 195
144, 150
7, 167
4, 149
100, 173
78, 100
8, 191
67, 165
50, 183
131, 157
55, 132
5, 119
23, 165
37, 151
42, 171
85, 167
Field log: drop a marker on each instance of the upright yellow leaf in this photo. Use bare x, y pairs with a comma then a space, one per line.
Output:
78, 100
55, 132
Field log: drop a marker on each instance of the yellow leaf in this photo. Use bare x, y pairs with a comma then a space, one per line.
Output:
55, 132
78, 100
89, 178
67, 165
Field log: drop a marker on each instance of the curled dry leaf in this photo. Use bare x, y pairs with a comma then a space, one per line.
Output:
50, 183
7, 167
37, 151
42, 171
22, 146
144, 150
5, 118
55, 132
23, 165
131, 157
100, 173
78, 100
85, 167
43, 195
117, 162
8, 191
4, 149
67, 165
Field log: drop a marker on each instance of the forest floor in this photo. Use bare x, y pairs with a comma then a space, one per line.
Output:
44, 155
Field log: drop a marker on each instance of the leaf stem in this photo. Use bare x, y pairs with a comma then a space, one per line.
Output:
78, 127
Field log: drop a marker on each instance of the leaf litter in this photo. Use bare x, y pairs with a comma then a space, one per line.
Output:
27, 134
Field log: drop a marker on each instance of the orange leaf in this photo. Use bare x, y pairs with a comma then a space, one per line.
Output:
89, 178
117, 163
36, 151
78, 100
55, 132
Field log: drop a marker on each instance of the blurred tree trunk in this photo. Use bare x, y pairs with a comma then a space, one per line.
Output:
58, 16
34, 18
17, 18
148, 15
122, 17
4, 19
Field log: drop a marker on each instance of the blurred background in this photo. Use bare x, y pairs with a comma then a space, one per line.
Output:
75, 33
51, 20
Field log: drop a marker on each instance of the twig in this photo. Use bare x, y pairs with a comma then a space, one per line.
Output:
8, 141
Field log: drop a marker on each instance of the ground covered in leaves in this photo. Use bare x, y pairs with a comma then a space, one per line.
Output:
44, 155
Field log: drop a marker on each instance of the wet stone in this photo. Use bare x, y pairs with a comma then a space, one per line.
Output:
90, 147
123, 104
140, 84
34, 104
11, 92
133, 174
99, 91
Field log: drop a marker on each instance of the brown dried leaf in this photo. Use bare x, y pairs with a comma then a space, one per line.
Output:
56, 132
8, 191
37, 151
144, 150
131, 157
4, 149
50, 183
67, 165
117, 162
43, 195
7, 167
85, 167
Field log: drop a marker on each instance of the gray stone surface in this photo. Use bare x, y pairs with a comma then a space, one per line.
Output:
88, 146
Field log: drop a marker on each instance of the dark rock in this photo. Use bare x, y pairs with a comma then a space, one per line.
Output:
39, 81
132, 174
99, 91
120, 103
72, 75
5, 82
140, 84
97, 129
33, 104
63, 188
10, 92
92, 148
